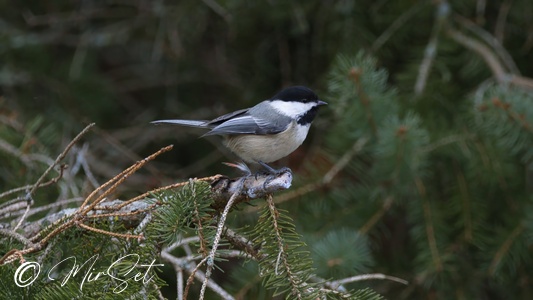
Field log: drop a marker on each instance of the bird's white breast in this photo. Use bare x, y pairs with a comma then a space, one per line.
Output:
268, 148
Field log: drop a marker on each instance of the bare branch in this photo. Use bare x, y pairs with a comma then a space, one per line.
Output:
491, 40
248, 187
61, 157
18, 237
399, 22
502, 77
442, 13
198, 274
76, 217
221, 222
336, 283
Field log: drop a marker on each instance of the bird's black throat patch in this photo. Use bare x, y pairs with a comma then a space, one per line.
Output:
308, 117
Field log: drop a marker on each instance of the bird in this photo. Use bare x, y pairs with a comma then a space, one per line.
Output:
266, 132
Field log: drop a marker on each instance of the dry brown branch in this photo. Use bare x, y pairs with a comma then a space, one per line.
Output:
118, 180
168, 187
77, 216
113, 234
242, 243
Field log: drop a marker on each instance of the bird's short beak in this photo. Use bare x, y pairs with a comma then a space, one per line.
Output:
320, 103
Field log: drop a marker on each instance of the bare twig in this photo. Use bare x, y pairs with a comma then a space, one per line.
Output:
491, 40
399, 22
26, 187
7, 147
504, 249
81, 157
14, 205
242, 243
198, 274
181, 242
503, 12
60, 157
377, 215
117, 180
193, 272
221, 222
23, 217
491, 60
15, 235
85, 211
114, 234
442, 13
336, 283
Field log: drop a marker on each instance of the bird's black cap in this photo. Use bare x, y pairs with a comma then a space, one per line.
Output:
296, 93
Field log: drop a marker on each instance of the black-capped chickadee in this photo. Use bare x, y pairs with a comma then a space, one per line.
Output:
266, 132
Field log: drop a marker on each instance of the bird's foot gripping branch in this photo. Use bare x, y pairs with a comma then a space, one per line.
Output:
249, 187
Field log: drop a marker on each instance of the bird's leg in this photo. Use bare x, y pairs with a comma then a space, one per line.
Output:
273, 171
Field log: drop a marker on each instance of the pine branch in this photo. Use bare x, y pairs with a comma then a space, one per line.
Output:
284, 265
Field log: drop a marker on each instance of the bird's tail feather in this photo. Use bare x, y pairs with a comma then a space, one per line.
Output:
190, 123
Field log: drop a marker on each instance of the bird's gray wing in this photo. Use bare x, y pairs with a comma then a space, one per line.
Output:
226, 117
246, 124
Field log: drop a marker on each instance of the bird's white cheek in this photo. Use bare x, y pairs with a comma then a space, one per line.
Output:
291, 108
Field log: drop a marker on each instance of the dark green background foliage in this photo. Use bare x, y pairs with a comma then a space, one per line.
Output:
438, 184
